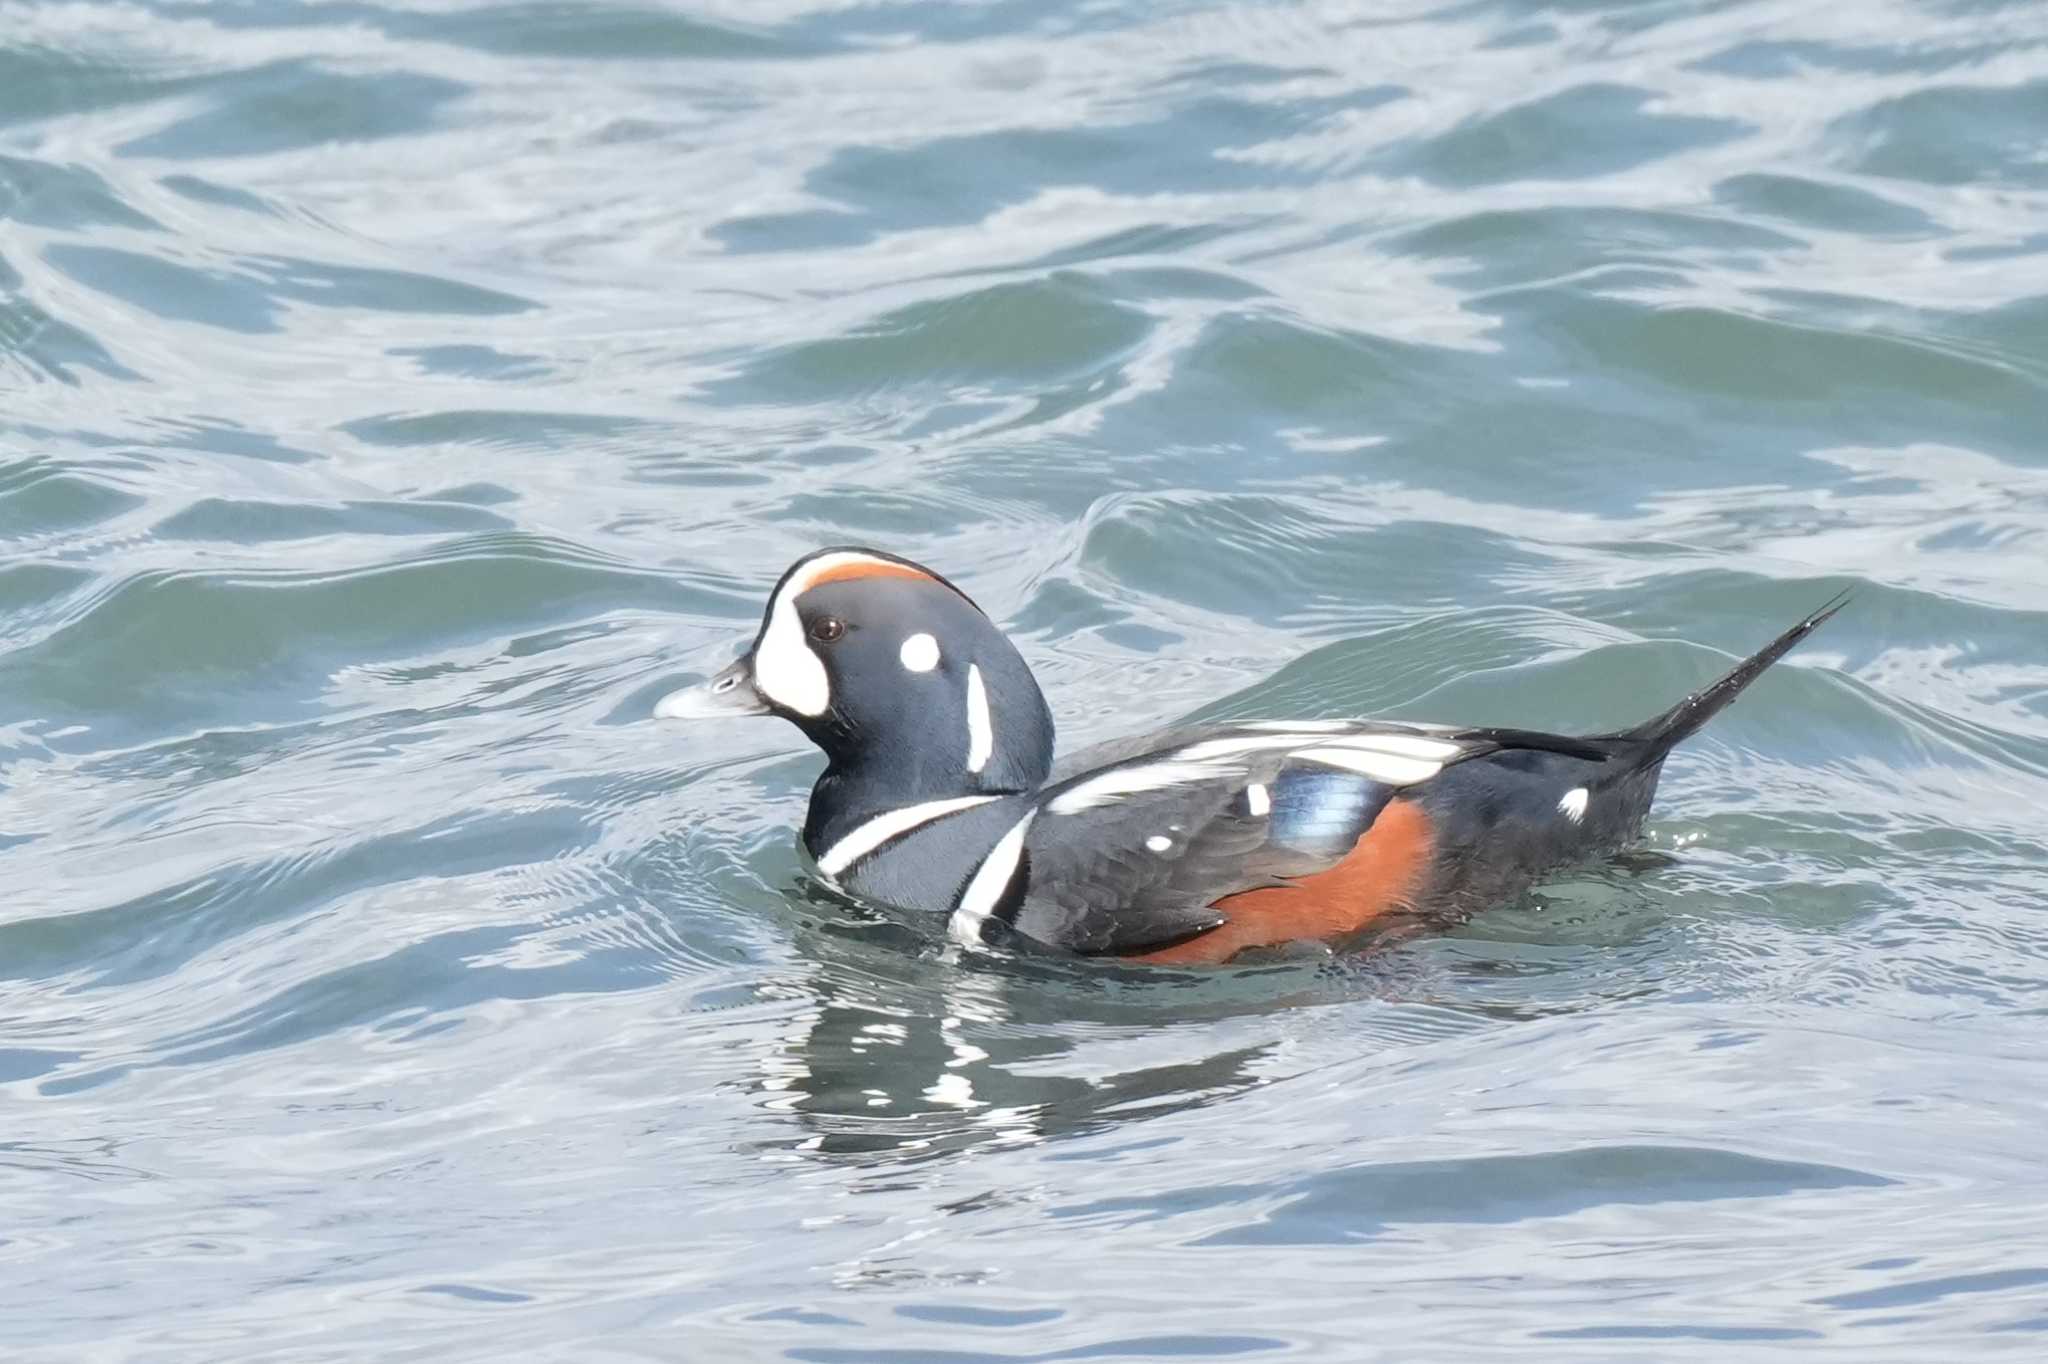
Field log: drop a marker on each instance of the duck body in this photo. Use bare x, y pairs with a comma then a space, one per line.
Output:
1188, 845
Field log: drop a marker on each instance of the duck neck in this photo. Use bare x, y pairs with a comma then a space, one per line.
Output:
865, 781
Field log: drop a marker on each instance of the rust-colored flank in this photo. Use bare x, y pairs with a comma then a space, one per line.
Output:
1382, 872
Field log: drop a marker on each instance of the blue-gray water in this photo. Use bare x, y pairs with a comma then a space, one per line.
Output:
394, 399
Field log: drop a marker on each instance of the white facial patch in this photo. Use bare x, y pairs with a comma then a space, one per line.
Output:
920, 653
786, 669
981, 734
1573, 806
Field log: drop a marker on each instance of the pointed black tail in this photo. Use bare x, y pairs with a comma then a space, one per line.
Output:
1666, 731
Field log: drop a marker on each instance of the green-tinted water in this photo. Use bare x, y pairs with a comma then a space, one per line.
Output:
395, 400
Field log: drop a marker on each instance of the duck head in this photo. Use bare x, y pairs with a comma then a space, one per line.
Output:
912, 692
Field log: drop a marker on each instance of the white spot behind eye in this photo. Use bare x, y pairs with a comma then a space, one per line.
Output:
1159, 843
1573, 806
920, 653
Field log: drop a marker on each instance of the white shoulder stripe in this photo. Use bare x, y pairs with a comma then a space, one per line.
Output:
978, 901
891, 824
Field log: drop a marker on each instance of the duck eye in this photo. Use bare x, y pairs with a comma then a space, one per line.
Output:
825, 629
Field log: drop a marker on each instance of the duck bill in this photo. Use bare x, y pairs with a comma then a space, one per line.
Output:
730, 692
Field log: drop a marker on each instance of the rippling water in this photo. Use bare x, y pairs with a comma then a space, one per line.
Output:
394, 400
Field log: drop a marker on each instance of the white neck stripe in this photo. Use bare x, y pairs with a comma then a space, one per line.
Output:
890, 825
981, 734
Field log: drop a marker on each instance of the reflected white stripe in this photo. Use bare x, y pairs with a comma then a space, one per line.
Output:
883, 827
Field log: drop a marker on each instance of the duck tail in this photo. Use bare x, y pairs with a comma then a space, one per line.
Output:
1660, 735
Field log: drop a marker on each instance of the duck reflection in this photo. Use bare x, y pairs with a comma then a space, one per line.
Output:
917, 1050
911, 1049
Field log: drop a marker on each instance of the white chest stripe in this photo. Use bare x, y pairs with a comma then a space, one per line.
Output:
884, 827
978, 901
981, 733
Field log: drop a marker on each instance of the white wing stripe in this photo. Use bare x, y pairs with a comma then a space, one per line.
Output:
883, 827
1129, 781
1387, 767
1405, 745
1397, 759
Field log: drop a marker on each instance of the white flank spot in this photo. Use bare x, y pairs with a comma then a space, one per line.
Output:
1128, 781
1573, 806
1387, 767
1256, 799
883, 827
978, 901
1159, 843
920, 653
981, 734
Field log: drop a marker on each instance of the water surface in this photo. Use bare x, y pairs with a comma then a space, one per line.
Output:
395, 399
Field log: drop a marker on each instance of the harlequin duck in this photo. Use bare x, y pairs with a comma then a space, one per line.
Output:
940, 792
